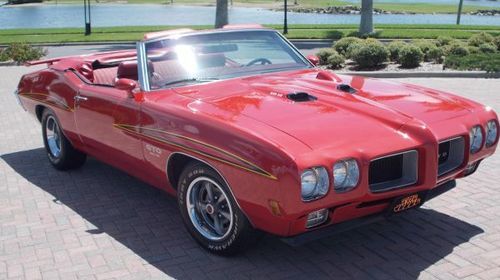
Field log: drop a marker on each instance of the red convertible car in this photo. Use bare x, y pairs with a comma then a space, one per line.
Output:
251, 136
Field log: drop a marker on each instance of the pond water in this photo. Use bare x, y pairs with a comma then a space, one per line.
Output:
46, 16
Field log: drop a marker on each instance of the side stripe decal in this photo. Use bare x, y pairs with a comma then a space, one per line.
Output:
49, 100
240, 162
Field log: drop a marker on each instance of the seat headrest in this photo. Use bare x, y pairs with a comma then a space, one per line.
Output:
128, 70
86, 70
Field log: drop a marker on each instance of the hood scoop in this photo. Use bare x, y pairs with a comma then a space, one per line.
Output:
301, 97
346, 88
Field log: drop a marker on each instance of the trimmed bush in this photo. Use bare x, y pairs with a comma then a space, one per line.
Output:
485, 62
487, 48
444, 40
496, 42
473, 50
4, 56
435, 54
456, 49
372, 41
335, 61
395, 48
323, 55
22, 52
370, 55
353, 48
479, 39
411, 56
343, 44
425, 46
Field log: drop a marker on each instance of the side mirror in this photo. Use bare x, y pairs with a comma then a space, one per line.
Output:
127, 85
313, 59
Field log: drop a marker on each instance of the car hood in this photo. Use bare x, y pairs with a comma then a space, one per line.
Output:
377, 110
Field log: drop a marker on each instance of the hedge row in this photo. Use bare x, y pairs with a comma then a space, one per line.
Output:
372, 54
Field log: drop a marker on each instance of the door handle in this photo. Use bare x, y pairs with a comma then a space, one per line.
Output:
80, 98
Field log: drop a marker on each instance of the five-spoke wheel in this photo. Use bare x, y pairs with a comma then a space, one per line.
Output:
62, 155
53, 135
209, 208
210, 211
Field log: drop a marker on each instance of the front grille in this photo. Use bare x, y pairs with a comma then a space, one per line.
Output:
393, 171
451, 155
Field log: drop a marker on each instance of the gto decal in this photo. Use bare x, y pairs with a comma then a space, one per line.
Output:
153, 150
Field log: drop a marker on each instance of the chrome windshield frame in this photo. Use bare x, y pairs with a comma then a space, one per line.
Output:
142, 66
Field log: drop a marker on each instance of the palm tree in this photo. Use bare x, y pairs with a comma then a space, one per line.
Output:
221, 17
366, 25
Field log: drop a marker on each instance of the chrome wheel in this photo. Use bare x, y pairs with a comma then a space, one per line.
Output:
209, 208
53, 135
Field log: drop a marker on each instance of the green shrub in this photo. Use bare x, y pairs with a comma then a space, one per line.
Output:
435, 54
23, 52
496, 42
353, 48
370, 55
395, 48
343, 44
444, 40
487, 48
372, 41
411, 56
323, 55
484, 62
335, 61
425, 46
473, 50
4, 56
480, 38
456, 49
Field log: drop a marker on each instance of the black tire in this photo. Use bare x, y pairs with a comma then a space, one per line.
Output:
68, 157
238, 236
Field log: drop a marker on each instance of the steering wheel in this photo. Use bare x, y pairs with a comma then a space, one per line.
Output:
263, 61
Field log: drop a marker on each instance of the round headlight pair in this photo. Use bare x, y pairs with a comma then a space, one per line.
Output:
314, 183
345, 175
476, 139
491, 133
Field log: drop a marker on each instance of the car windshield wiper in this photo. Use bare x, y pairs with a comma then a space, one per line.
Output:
189, 80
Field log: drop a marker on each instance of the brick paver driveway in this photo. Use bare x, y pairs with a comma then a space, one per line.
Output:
98, 222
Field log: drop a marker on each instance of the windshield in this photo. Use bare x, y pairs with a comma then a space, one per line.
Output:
214, 56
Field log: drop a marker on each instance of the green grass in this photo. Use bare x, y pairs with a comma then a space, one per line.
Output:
302, 31
421, 8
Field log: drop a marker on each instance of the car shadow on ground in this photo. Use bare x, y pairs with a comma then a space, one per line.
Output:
147, 221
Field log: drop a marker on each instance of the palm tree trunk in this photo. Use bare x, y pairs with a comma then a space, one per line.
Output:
366, 25
221, 14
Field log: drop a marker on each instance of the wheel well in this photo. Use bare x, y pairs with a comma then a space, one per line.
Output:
176, 163
39, 112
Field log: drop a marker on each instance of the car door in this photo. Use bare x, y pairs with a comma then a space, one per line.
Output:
99, 112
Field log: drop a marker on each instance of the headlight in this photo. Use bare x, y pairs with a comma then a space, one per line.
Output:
345, 175
314, 183
491, 133
476, 139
